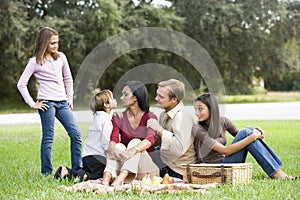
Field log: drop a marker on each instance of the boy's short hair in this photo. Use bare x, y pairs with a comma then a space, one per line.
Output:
99, 99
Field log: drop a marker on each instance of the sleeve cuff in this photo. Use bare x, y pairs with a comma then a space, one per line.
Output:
31, 104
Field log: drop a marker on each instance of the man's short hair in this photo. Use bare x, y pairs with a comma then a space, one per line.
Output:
175, 87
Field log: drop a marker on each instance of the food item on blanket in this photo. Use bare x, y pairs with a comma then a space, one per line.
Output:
171, 180
167, 179
146, 179
156, 180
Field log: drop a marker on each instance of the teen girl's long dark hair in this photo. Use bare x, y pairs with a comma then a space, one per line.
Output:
211, 102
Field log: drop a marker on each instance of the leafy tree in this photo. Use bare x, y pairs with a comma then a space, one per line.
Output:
287, 56
13, 52
246, 39
146, 15
241, 36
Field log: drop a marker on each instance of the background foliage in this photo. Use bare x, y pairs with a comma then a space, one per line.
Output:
248, 40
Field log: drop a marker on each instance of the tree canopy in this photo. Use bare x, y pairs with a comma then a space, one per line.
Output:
248, 40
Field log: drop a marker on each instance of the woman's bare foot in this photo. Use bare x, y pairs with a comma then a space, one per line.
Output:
121, 178
281, 175
106, 178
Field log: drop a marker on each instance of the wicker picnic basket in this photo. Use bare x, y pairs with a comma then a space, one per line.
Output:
217, 173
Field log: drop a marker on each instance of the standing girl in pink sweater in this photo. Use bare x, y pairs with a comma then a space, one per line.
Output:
55, 96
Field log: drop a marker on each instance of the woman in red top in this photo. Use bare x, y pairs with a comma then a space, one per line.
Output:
131, 140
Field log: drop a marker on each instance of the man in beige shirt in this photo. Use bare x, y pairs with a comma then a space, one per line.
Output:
173, 129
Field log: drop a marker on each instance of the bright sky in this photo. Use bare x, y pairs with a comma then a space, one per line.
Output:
157, 2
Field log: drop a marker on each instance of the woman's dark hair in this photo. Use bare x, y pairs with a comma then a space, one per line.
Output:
140, 91
211, 102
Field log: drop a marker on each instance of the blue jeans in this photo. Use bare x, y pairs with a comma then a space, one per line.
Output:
60, 110
261, 152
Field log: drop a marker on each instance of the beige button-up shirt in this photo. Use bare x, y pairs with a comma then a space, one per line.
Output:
177, 142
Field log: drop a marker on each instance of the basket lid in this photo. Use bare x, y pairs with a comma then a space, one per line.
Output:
218, 165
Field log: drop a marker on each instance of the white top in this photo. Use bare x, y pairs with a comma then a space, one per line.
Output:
97, 141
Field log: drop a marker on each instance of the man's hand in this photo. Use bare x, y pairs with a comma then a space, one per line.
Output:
154, 124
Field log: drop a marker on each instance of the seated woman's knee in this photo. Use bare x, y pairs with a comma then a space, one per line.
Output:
246, 131
119, 148
133, 142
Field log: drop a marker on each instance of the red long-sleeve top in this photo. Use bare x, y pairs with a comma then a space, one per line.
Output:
122, 128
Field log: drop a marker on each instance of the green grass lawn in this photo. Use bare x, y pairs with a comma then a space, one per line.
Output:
268, 97
21, 179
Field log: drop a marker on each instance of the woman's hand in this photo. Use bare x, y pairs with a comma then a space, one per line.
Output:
41, 105
261, 131
70, 105
112, 152
129, 153
258, 133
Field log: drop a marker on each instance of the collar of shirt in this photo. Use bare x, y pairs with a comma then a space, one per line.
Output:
177, 108
103, 113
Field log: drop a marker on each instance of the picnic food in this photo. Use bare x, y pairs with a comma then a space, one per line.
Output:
146, 179
156, 180
167, 179
171, 180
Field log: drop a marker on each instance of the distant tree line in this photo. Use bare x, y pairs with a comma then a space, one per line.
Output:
248, 40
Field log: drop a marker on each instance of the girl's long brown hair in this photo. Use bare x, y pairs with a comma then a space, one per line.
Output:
41, 44
211, 102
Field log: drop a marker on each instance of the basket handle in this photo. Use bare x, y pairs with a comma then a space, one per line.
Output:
198, 175
188, 173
